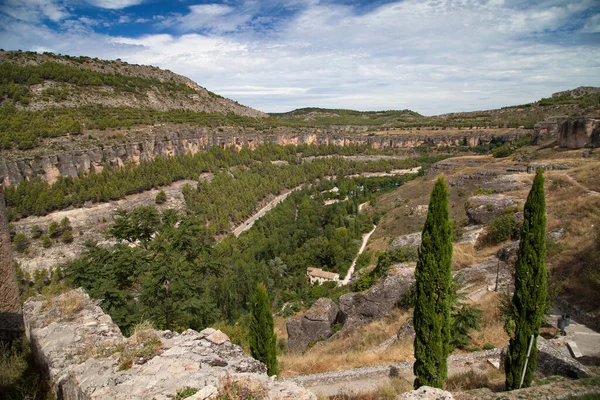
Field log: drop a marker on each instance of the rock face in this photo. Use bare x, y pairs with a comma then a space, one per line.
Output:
378, 301
316, 324
11, 318
81, 347
571, 132
576, 133
426, 393
482, 209
182, 139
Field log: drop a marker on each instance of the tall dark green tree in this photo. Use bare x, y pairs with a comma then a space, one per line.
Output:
434, 293
529, 300
263, 341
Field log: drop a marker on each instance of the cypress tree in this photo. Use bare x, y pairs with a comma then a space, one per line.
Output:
434, 293
529, 299
263, 340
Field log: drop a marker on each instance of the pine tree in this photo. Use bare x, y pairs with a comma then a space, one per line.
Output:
263, 340
529, 299
434, 293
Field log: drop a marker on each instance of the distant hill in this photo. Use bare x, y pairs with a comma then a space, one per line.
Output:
584, 100
35, 81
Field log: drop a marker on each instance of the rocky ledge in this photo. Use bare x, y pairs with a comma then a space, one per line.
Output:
87, 357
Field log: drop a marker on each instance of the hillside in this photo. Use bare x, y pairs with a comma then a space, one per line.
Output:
37, 82
582, 100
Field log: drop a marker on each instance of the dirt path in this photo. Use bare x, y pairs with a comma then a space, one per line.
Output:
582, 187
247, 224
365, 239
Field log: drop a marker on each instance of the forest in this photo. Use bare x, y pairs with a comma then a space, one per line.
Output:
242, 178
166, 266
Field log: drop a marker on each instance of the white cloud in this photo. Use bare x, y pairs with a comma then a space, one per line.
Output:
115, 4
433, 57
34, 10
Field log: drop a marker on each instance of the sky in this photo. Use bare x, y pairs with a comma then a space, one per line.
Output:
433, 57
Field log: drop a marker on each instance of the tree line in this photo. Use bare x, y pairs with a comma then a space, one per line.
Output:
242, 169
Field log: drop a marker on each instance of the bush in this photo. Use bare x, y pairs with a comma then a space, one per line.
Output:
501, 228
36, 232
501, 152
67, 236
21, 243
46, 242
54, 230
161, 197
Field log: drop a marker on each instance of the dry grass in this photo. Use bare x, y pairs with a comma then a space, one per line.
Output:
390, 391
241, 388
65, 306
491, 378
492, 327
587, 176
463, 256
351, 349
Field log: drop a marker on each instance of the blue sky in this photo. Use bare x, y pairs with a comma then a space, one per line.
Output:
433, 56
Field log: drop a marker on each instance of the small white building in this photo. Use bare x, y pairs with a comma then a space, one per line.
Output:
317, 275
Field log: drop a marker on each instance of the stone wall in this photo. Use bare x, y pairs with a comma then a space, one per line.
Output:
87, 357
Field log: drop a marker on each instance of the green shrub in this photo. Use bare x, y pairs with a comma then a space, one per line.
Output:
46, 242
21, 243
36, 232
501, 228
67, 236
501, 152
54, 230
161, 197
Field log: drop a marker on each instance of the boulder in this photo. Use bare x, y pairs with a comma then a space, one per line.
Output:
482, 209
316, 324
379, 300
426, 393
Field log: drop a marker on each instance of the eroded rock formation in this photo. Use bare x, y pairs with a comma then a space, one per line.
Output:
86, 356
378, 301
316, 324
570, 132
176, 140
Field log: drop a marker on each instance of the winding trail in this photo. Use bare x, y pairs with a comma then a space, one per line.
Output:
365, 239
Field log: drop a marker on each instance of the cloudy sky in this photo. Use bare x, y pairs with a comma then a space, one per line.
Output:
432, 56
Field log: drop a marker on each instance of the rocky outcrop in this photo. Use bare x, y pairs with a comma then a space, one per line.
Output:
83, 352
316, 324
482, 209
573, 132
73, 155
411, 240
378, 301
576, 133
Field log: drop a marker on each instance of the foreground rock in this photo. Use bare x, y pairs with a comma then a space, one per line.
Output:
87, 357
378, 301
316, 324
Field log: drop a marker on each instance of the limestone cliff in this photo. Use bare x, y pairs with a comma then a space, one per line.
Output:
183, 139
573, 132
